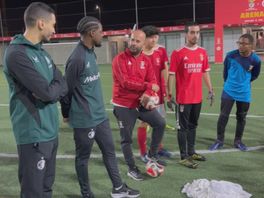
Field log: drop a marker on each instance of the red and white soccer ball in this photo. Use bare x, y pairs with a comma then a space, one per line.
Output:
149, 102
153, 169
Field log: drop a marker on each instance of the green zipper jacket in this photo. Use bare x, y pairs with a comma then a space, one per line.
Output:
85, 105
35, 85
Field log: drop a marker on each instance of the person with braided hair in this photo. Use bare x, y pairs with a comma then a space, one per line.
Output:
84, 110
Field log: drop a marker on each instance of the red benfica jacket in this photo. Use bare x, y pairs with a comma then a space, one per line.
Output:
132, 76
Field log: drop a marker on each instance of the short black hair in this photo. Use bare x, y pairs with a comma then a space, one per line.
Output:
189, 24
87, 24
150, 30
249, 37
35, 11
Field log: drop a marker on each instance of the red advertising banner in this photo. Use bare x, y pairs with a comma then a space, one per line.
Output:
228, 12
240, 11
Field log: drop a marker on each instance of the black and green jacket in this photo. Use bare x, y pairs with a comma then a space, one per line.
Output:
35, 85
84, 105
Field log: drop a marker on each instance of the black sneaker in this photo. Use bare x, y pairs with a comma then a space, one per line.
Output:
156, 159
124, 191
135, 174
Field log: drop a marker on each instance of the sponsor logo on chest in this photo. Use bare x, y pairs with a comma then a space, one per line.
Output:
91, 78
193, 67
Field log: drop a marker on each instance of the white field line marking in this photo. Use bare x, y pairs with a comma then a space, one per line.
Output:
120, 155
170, 112
213, 114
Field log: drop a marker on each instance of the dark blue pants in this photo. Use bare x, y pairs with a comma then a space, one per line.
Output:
241, 113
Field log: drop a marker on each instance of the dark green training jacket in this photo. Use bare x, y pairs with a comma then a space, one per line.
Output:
35, 85
85, 105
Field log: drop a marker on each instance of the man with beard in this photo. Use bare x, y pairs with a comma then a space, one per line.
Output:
35, 85
189, 65
84, 109
133, 78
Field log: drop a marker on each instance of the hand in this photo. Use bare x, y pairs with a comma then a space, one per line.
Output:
170, 102
155, 87
211, 96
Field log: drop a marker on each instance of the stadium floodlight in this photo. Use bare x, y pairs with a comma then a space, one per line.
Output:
84, 7
194, 11
2, 29
134, 27
136, 8
97, 7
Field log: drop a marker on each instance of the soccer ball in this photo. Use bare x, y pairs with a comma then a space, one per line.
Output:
149, 102
153, 169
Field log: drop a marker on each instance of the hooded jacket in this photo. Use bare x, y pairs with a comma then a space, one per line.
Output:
35, 85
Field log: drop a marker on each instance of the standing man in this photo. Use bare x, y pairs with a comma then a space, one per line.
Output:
241, 67
35, 85
159, 60
133, 79
84, 110
189, 65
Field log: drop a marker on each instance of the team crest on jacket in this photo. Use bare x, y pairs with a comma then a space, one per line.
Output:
201, 57
120, 124
158, 61
142, 65
41, 164
91, 134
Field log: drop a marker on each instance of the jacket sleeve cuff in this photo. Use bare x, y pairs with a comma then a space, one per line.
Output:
147, 85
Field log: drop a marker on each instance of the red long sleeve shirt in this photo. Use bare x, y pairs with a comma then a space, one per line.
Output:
132, 76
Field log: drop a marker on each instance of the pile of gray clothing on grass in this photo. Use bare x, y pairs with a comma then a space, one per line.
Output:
203, 188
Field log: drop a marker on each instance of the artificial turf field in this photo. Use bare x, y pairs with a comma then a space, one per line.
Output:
245, 168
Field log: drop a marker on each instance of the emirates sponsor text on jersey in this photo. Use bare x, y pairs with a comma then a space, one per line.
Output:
193, 67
